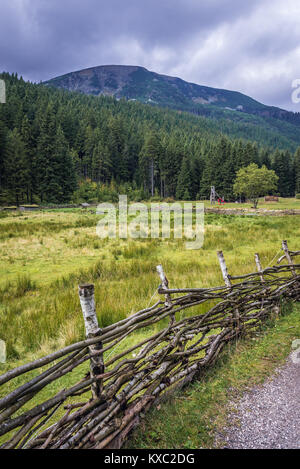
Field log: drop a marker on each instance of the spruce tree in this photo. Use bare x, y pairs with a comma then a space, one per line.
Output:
3, 132
15, 166
229, 171
65, 181
148, 160
297, 170
29, 144
265, 159
170, 165
196, 171
215, 165
116, 144
101, 164
183, 189
282, 167
89, 145
48, 160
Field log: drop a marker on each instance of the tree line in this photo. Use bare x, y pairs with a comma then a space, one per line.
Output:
57, 147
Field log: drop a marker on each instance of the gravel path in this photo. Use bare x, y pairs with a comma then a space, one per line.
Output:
268, 416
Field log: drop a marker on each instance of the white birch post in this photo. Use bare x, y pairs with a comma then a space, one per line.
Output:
228, 284
164, 283
288, 257
259, 267
87, 301
224, 269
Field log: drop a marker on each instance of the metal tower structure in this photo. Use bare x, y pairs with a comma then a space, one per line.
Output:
214, 195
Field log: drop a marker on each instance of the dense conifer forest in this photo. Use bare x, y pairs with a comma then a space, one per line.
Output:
59, 147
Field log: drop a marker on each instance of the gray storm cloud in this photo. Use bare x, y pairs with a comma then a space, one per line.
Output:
252, 47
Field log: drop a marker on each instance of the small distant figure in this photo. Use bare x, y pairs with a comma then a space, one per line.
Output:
271, 198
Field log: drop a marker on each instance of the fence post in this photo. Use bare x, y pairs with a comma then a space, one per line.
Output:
87, 302
288, 257
259, 267
164, 283
224, 269
236, 314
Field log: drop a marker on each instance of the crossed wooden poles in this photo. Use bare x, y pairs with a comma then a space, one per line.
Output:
129, 381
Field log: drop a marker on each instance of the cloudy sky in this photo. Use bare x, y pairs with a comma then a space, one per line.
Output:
250, 46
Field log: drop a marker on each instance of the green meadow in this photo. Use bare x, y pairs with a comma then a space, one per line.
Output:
46, 254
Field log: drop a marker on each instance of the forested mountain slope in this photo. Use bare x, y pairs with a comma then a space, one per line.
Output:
138, 83
57, 146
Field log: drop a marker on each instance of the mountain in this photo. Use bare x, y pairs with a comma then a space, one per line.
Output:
138, 83
58, 146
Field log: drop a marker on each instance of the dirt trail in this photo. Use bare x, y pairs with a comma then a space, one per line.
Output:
267, 416
252, 211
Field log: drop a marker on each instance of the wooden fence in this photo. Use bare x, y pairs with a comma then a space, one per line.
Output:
125, 374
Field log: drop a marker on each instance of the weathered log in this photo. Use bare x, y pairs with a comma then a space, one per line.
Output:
164, 284
224, 269
288, 257
259, 267
87, 301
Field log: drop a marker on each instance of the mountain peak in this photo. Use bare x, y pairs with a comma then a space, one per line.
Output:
133, 82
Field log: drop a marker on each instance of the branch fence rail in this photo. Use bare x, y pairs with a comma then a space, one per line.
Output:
126, 384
